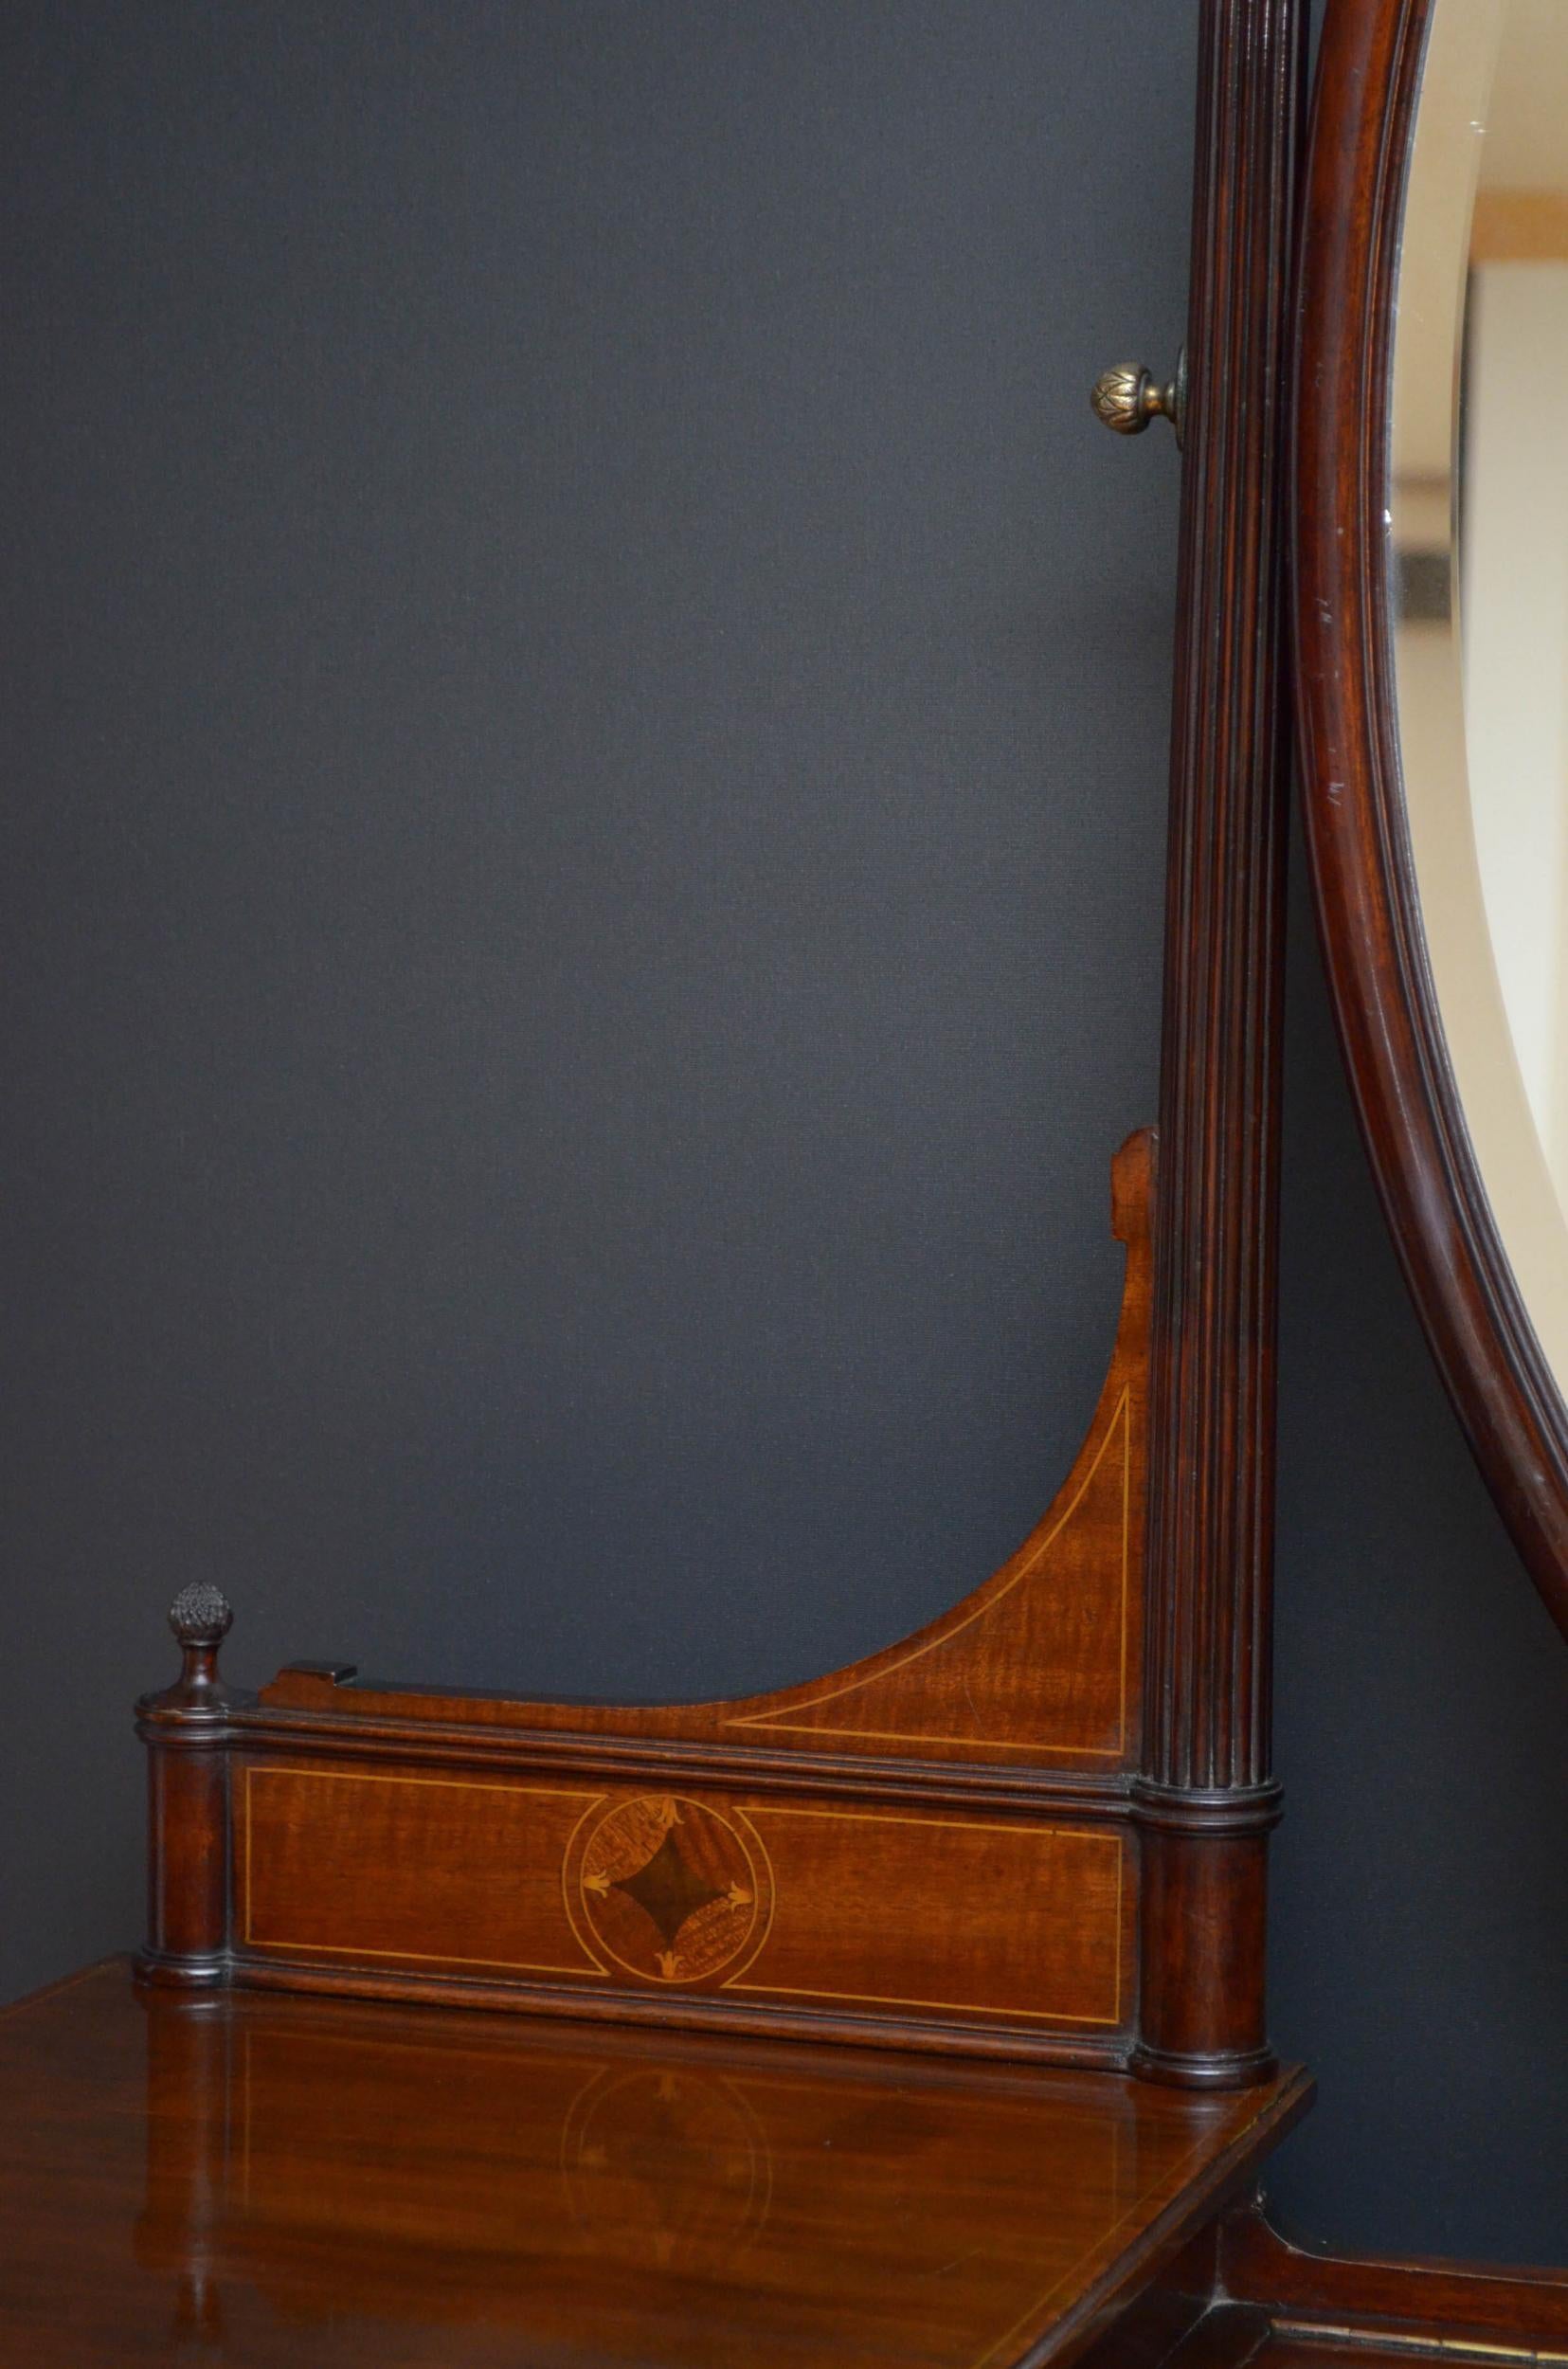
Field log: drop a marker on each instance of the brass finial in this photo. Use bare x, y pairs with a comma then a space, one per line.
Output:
1127, 398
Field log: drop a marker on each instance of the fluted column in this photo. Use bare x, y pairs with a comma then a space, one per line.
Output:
1206, 1800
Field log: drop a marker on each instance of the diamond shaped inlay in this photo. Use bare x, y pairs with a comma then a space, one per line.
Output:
669, 1888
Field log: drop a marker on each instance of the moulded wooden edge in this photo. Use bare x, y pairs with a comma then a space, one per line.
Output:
1167, 2238
658, 1759
989, 2041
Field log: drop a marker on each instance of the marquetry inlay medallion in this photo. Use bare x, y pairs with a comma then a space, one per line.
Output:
672, 1891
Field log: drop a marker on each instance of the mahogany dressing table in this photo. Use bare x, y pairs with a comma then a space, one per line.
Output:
913, 2016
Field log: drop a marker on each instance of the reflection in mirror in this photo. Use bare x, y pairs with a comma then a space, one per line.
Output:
1479, 518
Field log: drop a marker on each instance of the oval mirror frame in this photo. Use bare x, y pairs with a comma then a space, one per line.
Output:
1357, 831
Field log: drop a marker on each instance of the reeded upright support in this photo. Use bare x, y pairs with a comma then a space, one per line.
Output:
1206, 1800
186, 1730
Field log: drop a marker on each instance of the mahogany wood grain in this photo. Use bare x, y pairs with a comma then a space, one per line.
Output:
1369, 910
240, 2179
1207, 1776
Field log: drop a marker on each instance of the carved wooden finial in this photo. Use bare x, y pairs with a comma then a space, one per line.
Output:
201, 1619
200, 1615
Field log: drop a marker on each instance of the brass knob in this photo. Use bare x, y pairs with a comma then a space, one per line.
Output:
1128, 397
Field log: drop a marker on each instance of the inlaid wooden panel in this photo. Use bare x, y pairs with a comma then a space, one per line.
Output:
1043, 1658
1021, 1920
1015, 1916
1038, 1665
408, 1869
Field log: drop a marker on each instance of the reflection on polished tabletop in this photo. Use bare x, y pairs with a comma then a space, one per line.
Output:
262, 2178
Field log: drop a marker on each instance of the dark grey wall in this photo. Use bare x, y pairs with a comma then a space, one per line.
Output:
584, 721
1420, 1939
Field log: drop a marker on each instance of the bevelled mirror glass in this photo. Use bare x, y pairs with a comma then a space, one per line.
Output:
1431, 604
1478, 455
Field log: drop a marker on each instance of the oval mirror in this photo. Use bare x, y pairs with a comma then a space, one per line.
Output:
1433, 663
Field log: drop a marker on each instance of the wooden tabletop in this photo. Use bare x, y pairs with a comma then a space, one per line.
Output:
270, 2180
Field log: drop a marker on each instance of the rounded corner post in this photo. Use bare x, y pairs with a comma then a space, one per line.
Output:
187, 1731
